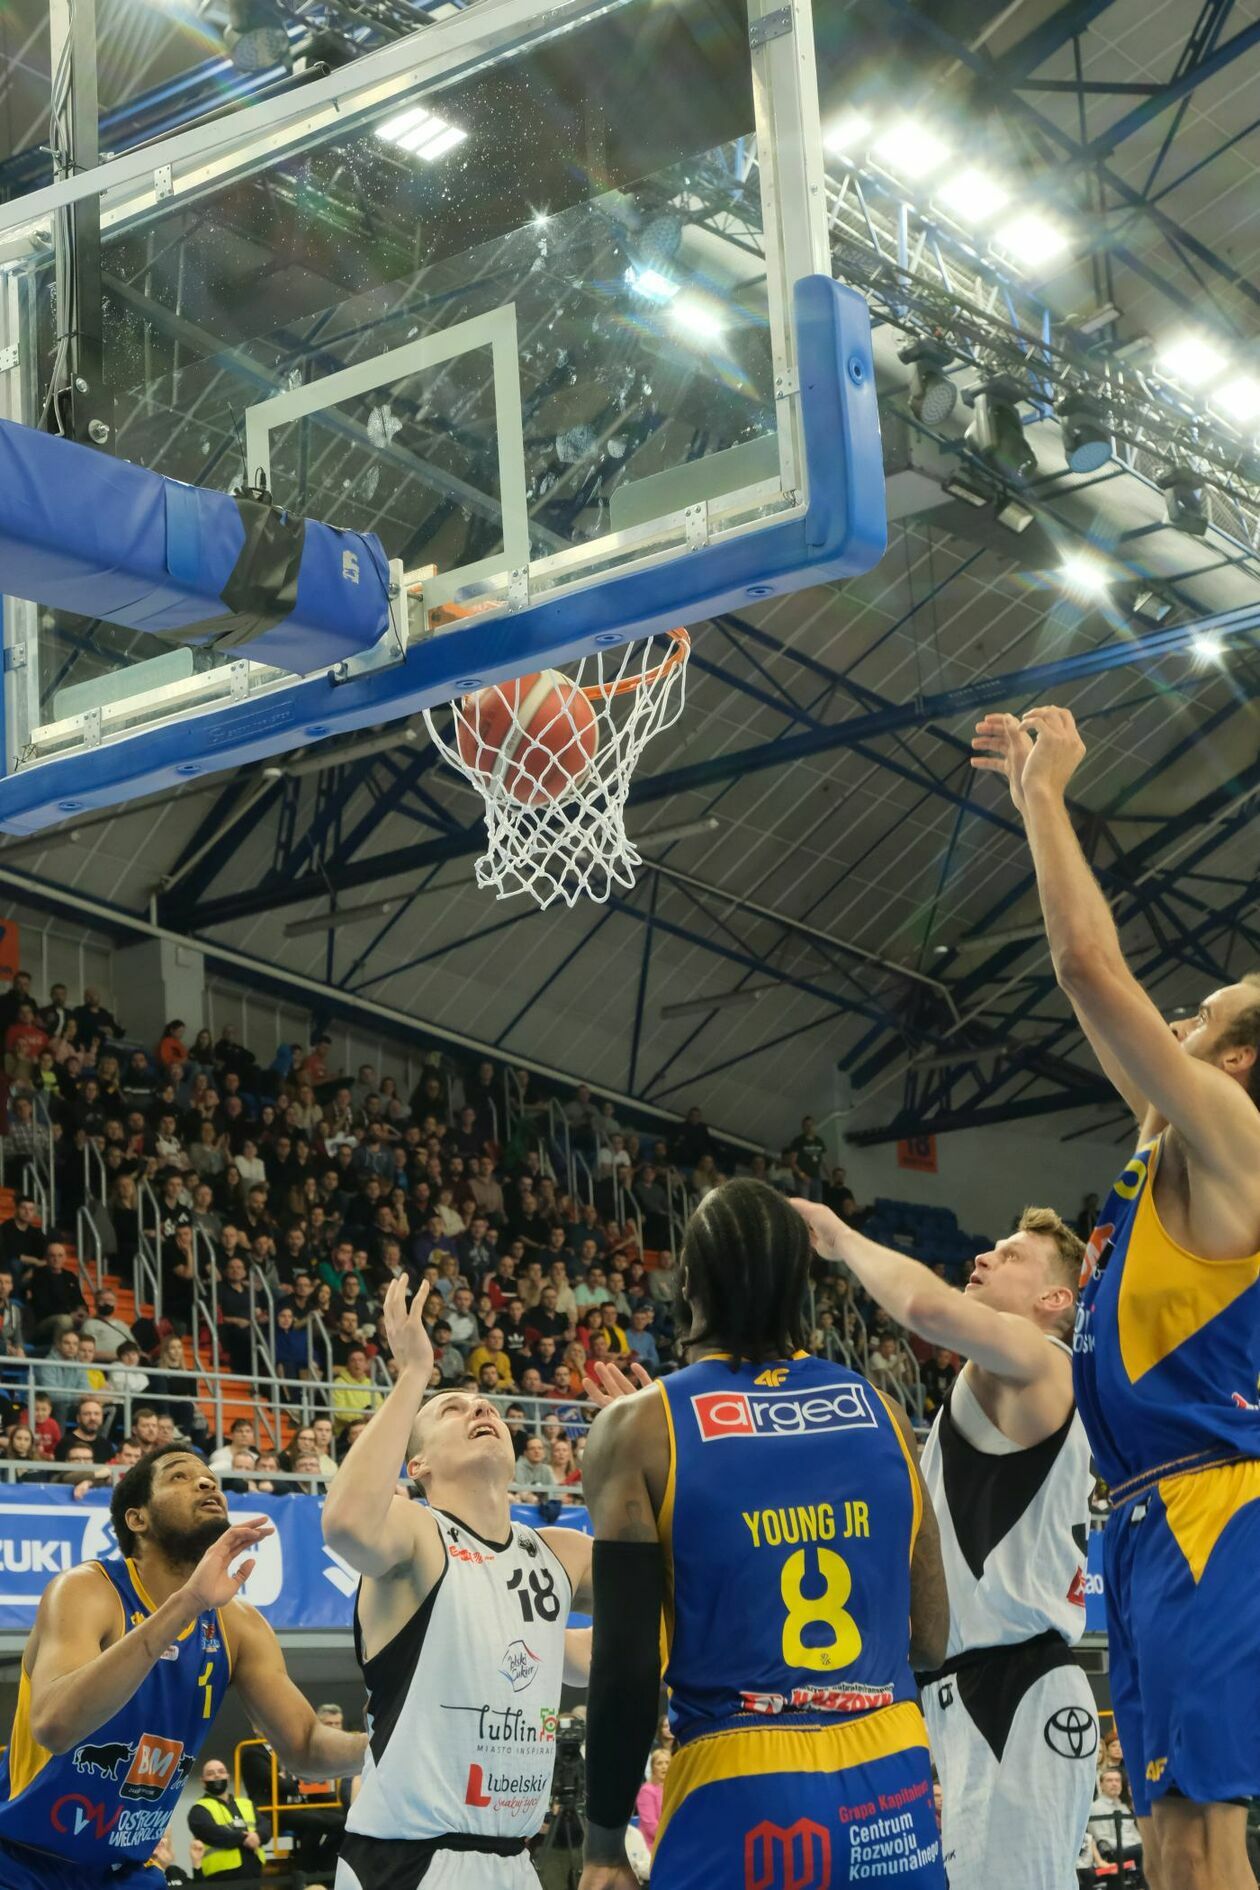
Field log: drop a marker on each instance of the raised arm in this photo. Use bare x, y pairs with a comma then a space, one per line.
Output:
1217, 1119
287, 1720
365, 1520
1002, 1343
78, 1679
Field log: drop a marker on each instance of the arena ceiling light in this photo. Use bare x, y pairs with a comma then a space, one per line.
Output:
910, 150
1016, 517
973, 197
1209, 647
933, 396
996, 434
1032, 240
847, 134
1238, 400
1086, 439
651, 284
422, 134
1191, 359
695, 318
1186, 500
1082, 576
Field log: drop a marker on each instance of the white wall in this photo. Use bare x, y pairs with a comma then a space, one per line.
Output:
988, 1175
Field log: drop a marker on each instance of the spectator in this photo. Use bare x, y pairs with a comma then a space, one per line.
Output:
22, 1141
691, 1141
171, 1390
492, 1352
937, 1375
23, 1243
21, 1453
89, 1432
93, 1019
353, 1394
1112, 1832
63, 1377
236, 1317
13, 1323
239, 1480
106, 1328
811, 1152
535, 1479
241, 1436
564, 1465
46, 1428
126, 1378
24, 1040
886, 1367
639, 1339
55, 1295
647, 1806
227, 1825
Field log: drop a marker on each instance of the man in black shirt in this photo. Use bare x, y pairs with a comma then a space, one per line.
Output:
94, 1020
545, 1320
18, 993
54, 1294
692, 1142
235, 1315
88, 1430
22, 1242
811, 1152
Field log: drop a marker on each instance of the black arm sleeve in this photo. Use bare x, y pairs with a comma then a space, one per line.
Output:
625, 1687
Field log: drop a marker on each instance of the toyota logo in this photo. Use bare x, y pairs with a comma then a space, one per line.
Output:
1072, 1732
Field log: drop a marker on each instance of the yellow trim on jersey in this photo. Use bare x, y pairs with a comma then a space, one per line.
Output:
1198, 1507
27, 1758
148, 1601
916, 1490
113, 1589
1167, 1293
665, 1531
715, 1757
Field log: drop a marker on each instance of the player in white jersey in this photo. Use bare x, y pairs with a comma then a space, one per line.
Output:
1010, 1715
460, 1630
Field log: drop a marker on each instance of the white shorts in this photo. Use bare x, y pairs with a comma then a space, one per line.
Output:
372, 1864
1014, 1738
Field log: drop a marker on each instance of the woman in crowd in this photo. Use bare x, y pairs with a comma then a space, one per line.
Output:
124, 1217
647, 1806
22, 1454
171, 1388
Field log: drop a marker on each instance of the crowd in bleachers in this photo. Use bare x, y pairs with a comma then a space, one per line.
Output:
543, 1221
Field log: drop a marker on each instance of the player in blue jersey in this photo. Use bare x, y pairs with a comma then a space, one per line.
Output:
769, 1505
1166, 1350
123, 1674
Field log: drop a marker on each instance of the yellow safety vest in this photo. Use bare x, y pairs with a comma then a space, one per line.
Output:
219, 1863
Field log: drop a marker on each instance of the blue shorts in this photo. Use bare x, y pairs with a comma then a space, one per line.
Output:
25, 1869
802, 1808
1183, 1625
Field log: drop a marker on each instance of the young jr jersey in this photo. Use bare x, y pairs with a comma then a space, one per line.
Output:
1167, 1345
110, 1797
463, 1702
788, 1526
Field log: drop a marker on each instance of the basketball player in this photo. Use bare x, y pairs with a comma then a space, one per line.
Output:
460, 1631
1010, 1714
121, 1679
1166, 1349
771, 1504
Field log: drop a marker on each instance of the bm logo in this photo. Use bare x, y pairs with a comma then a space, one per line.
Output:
350, 567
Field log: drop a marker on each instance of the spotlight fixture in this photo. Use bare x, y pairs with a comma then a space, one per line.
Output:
1086, 439
933, 396
421, 133
1238, 400
696, 319
1032, 240
973, 197
958, 488
651, 284
1150, 605
1186, 500
996, 433
257, 35
1015, 517
1208, 647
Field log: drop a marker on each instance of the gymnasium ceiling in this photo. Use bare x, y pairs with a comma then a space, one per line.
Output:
858, 871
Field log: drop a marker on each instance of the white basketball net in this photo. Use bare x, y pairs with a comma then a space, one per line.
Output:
571, 843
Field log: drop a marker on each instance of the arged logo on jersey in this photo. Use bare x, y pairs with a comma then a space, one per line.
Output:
806, 1413
519, 1665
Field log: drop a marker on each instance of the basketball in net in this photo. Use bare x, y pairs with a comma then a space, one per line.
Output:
535, 736
552, 756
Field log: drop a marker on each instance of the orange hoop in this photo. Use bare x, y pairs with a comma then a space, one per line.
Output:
605, 692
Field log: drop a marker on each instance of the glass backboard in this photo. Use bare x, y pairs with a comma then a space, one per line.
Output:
521, 295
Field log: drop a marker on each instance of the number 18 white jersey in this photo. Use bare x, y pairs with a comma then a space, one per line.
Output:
463, 1702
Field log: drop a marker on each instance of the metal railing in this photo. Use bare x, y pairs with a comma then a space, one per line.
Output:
560, 1132
260, 1351
148, 1248
87, 1231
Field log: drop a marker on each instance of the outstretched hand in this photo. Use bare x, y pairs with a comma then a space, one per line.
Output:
1042, 749
829, 1235
211, 1585
405, 1329
605, 1383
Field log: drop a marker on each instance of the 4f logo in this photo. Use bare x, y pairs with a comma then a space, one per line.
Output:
787, 1857
774, 1376
350, 567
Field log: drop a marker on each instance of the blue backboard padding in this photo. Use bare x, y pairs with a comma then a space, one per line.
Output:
842, 533
82, 532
